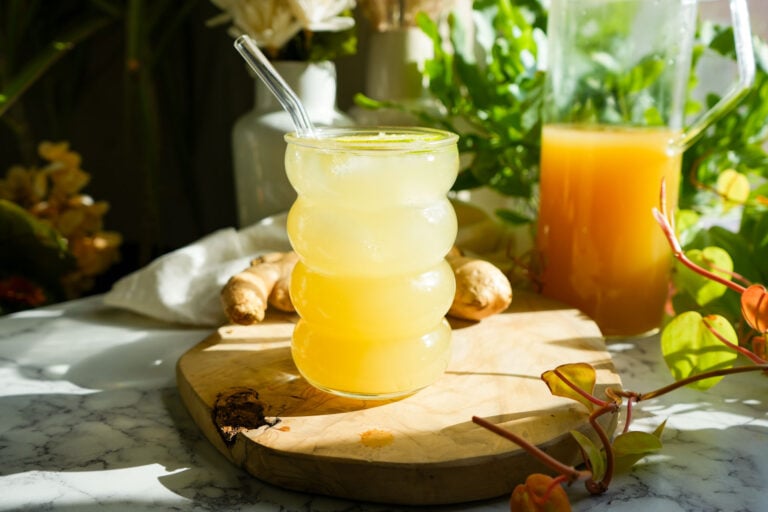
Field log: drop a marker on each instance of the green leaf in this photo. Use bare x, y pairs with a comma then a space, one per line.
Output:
687, 225
723, 42
39, 253
690, 348
594, 455
635, 443
630, 447
702, 289
754, 230
581, 375
747, 262
513, 218
643, 75
740, 249
733, 187
40, 63
364, 101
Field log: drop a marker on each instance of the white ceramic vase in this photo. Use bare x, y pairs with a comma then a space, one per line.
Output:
261, 186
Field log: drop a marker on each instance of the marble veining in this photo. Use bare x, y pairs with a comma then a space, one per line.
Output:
90, 419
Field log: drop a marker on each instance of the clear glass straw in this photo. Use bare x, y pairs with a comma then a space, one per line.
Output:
272, 79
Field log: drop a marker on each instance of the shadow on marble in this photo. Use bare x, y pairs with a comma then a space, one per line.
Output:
128, 414
233, 486
121, 428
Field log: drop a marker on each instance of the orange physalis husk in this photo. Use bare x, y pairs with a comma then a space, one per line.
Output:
539, 493
754, 307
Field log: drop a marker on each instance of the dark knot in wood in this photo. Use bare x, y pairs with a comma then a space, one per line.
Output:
238, 410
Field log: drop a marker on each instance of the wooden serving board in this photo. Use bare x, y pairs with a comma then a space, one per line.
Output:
245, 394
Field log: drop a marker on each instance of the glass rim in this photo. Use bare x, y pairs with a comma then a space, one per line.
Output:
375, 138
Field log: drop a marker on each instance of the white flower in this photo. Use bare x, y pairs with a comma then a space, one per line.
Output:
271, 23
323, 15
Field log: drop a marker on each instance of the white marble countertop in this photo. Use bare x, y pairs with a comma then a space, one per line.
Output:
90, 419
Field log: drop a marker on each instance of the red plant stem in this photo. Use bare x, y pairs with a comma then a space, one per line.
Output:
663, 206
542, 500
738, 348
570, 473
735, 276
601, 486
578, 390
758, 344
677, 250
628, 419
701, 376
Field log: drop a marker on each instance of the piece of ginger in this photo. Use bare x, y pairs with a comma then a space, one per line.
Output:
264, 283
482, 289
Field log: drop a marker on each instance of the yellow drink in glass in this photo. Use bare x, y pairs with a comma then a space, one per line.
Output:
372, 225
601, 248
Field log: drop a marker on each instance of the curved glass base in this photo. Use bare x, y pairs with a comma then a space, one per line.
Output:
369, 368
366, 396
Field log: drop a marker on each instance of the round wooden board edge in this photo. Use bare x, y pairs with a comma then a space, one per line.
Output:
407, 483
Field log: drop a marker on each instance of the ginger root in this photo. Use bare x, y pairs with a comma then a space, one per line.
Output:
264, 283
482, 289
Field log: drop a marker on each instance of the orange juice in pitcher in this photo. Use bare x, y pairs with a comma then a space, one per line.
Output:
604, 250
613, 129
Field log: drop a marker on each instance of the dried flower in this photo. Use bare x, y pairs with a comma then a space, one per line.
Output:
53, 195
386, 15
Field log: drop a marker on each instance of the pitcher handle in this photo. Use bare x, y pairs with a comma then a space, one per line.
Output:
745, 60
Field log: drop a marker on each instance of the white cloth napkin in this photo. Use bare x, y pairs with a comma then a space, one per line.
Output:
183, 286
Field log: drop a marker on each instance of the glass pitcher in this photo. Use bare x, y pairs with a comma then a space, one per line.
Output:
614, 129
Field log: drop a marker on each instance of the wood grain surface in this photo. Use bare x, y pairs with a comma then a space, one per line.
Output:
244, 392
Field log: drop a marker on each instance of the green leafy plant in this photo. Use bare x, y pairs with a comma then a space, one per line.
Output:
699, 350
692, 341
723, 221
610, 454
489, 90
